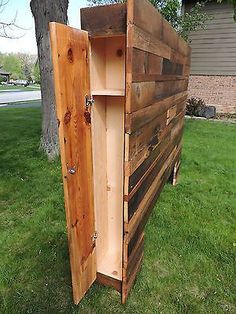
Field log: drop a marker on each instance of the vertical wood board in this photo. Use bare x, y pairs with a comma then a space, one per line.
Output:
70, 63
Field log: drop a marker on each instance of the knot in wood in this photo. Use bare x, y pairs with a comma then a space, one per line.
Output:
119, 52
67, 117
87, 116
70, 55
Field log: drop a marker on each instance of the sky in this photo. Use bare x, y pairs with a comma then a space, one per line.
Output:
27, 43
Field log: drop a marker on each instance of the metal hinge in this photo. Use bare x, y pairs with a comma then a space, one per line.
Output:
94, 237
89, 101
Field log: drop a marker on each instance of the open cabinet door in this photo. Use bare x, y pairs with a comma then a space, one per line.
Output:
70, 50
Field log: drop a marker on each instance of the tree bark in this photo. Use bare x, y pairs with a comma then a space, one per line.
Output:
45, 11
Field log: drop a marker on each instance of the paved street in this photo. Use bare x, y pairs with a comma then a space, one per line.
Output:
27, 104
16, 96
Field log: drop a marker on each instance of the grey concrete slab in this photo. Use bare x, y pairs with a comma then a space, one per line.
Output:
10, 97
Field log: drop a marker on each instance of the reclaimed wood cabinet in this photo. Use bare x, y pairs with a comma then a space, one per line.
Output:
120, 86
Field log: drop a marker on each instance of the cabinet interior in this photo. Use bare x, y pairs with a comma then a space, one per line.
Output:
108, 66
107, 82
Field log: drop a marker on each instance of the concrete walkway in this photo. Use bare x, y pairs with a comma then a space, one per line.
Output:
12, 97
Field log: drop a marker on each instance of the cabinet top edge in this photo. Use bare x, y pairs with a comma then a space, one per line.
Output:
105, 20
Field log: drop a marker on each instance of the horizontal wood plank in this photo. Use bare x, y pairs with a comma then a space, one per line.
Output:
170, 36
171, 68
170, 139
102, 21
139, 191
128, 282
147, 18
109, 281
138, 119
146, 42
146, 63
145, 94
141, 160
135, 257
144, 209
158, 65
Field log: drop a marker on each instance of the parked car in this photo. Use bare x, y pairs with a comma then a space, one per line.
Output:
20, 83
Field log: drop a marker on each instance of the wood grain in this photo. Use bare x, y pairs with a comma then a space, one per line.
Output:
109, 281
103, 21
149, 151
145, 94
147, 42
140, 189
138, 119
147, 18
158, 66
70, 63
140, 217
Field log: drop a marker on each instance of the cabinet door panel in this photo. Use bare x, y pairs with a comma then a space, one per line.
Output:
70, 52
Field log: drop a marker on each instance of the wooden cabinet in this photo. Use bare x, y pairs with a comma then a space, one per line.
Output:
120, 86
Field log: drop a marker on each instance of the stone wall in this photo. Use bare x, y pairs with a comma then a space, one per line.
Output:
219, 91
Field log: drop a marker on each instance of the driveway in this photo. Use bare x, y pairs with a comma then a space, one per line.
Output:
12, 97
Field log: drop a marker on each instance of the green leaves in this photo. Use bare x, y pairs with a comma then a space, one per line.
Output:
233, 2
171, 10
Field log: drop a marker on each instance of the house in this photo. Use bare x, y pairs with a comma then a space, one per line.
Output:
5, 74
213, 69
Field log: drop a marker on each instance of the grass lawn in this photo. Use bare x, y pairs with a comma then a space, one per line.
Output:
190, 239
4, 88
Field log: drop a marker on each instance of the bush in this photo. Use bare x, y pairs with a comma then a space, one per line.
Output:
195, 107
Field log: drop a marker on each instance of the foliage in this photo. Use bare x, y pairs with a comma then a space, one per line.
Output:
27, 65
2, 79
19, 64
193, 20
11, 63
189, 240
36, 73
171, 10
194, 106
233, 2
101, 2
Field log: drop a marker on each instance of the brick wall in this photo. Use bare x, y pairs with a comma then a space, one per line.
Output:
219, 91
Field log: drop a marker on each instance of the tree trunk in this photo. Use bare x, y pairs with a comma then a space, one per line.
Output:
45, 11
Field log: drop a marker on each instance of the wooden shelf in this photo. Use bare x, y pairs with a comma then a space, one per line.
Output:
109, 92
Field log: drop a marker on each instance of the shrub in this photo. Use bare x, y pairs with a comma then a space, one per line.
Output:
195, 106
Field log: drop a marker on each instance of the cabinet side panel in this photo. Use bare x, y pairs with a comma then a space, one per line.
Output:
70, 63
157, 68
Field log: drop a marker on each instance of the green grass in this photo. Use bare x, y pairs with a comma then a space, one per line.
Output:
26, 103
4, 88
190, 238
